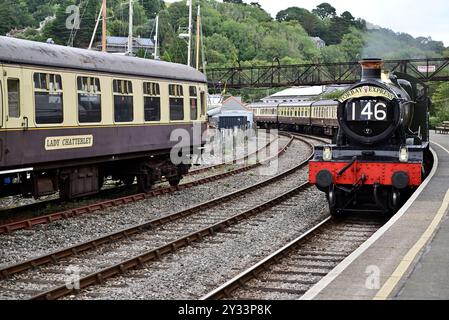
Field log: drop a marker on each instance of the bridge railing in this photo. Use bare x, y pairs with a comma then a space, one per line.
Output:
426, 70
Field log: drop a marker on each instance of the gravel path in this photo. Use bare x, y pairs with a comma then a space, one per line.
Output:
25, 244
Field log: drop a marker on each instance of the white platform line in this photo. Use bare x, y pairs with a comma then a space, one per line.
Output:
331, 276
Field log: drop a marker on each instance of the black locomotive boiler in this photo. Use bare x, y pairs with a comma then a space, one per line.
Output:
381, 151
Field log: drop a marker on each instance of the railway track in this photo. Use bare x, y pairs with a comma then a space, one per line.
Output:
292, 270
232, 162
145, 242
35, 208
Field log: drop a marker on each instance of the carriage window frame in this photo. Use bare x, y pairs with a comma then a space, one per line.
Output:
92, 87
193, 103
152, 90
123, 88
18, 100
176, 93
51, 86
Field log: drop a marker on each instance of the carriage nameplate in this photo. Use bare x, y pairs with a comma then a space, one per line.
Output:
69, 142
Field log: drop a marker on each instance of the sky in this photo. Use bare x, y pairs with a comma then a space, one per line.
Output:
416, 17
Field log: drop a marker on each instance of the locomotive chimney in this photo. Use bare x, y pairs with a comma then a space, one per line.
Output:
371, 69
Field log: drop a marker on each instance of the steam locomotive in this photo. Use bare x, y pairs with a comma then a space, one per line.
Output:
381, 151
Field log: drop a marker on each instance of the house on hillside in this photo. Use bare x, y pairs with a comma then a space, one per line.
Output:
120, 45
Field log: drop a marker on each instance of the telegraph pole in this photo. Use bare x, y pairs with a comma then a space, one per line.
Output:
189, 54
104, 26
130, 35
198, 29
156, 40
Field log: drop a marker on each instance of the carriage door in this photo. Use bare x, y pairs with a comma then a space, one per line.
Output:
13, 98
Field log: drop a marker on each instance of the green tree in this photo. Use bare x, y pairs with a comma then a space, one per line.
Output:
220, 50
152, 7
325, 10
310, 22
440, 100
333, 53
14, 14
353, 44
59, 30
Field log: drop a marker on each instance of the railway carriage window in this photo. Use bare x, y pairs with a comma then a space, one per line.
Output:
176, 102
203, 103
123, 101
89, 100
152, 101
14, 98
193, 103
48, 98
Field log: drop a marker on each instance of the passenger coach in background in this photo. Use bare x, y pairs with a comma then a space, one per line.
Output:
70, 118
313, 117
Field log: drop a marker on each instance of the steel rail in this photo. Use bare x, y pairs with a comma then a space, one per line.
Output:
94, 207
239, 281
56, 256
231, 162
348, 230
156, 254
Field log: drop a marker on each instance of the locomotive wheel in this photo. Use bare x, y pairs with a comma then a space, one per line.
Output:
335, 199
174, 182
395, 201
144, 182
332, 201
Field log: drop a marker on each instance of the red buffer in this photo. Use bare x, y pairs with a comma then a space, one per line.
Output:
373, 172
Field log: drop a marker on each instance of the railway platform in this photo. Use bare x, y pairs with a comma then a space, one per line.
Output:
408, 258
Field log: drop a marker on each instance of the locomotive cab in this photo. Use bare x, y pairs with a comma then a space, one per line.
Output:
381, 154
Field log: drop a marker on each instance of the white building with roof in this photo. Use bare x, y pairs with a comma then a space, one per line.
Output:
232, 113
295, 94
120, 44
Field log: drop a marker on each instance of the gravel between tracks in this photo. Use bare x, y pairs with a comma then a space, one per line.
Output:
24, 244
195, 270
209, 158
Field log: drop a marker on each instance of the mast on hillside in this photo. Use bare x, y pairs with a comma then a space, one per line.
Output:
95, 29
130, 34
156, 40
198, 29
189, 59
104, 26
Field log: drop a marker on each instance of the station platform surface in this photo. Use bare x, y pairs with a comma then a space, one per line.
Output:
408, 258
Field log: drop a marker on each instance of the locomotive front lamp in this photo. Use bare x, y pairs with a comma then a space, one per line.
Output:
327, 154
403, 154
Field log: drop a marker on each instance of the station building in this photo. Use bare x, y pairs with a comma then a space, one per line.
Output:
230, 114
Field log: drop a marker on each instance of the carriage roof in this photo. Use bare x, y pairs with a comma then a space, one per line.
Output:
18, 51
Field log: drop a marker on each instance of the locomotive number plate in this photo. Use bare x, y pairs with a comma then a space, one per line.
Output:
366, 110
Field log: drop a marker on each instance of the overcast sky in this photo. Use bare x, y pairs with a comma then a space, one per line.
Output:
416, 17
